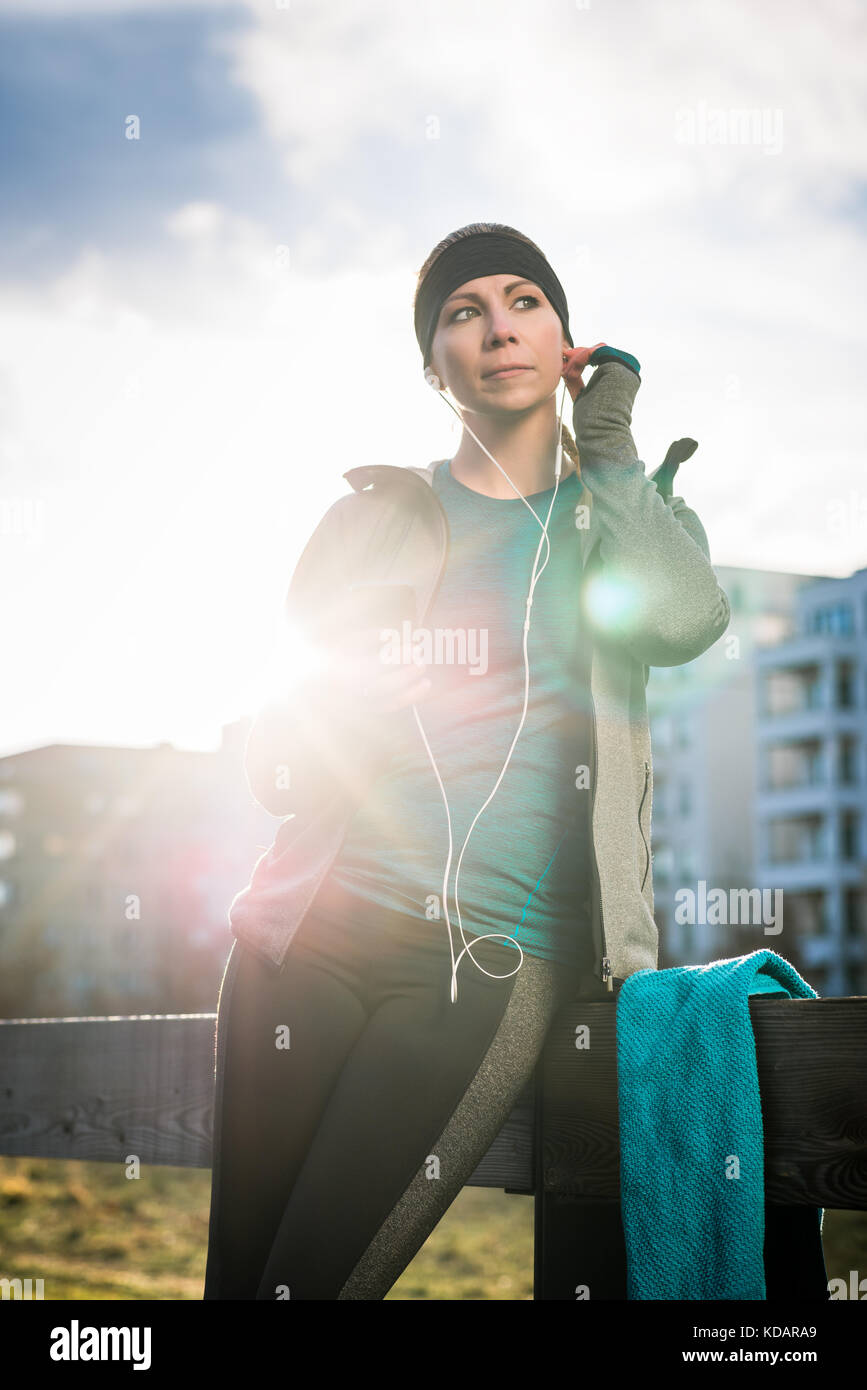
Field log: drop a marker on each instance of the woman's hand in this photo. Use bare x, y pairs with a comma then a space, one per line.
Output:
574, 363
363, 678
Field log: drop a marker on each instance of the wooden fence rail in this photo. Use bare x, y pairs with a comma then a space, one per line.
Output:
103, 1088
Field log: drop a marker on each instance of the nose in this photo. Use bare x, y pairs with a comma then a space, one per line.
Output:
500, 328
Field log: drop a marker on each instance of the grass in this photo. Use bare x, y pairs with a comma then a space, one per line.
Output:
92, 1233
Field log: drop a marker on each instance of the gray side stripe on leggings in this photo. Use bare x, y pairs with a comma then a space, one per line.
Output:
541, 987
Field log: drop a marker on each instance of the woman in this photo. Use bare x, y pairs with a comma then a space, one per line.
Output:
358, 1086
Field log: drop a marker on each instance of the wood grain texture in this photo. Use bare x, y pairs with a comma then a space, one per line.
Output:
106, 1088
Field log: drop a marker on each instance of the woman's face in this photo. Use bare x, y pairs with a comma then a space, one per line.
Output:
494, 322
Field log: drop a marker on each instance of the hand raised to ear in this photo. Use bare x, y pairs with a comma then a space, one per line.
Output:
574, 363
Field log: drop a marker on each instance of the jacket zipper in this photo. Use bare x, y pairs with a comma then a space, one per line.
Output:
607, 976
640, 826
606, 972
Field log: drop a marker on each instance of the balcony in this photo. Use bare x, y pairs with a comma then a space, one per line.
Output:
810, 776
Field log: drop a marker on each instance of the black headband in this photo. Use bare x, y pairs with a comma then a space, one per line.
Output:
482, 253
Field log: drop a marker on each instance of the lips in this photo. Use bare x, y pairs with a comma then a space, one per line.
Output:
507, 367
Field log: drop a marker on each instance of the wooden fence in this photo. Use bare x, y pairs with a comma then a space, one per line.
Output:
102, 1088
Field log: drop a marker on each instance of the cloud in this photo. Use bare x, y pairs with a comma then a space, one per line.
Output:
198, 346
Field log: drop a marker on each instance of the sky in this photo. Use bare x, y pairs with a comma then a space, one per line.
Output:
211, 223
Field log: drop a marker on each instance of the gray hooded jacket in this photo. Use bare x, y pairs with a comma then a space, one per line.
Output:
648, 595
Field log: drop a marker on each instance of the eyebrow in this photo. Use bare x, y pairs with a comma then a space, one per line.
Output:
468, 294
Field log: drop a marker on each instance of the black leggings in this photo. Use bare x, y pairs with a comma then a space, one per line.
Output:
334, 1157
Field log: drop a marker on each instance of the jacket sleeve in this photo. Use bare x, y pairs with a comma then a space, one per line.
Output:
304, 747
308, 742
657, 592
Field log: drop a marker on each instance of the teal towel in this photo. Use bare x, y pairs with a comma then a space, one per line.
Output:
690, 1111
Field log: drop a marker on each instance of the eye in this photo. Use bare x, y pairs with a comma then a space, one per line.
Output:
521, 298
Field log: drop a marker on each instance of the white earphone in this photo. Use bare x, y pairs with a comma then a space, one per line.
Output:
434, 381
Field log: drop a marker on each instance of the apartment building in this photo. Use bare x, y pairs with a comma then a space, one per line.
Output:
759, 781
811, 805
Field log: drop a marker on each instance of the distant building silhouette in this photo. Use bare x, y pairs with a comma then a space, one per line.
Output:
117, 867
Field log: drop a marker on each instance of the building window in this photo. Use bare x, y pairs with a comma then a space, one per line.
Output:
849, 827
855, 913
794, 765
685, 799
848, 761
789, 690
806, 913
837, 619
845, 694
796, 841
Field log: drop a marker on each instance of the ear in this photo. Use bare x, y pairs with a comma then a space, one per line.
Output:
432, 376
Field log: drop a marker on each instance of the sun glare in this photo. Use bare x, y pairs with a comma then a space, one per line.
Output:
611, 603
292, 660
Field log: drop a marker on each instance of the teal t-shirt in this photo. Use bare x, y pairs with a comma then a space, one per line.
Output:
525, 871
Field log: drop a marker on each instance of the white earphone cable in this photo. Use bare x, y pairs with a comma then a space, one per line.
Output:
533, 582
